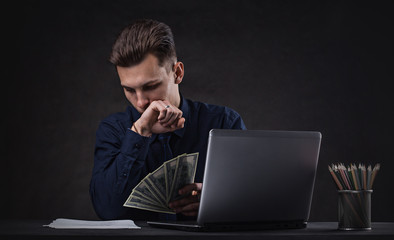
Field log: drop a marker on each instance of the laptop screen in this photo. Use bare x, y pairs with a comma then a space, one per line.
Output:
259, 176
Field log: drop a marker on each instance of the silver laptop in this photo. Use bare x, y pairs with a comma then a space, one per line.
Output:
256, 179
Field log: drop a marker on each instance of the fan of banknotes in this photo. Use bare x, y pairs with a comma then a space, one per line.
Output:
160, 187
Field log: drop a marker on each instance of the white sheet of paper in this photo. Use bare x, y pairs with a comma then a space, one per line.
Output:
63, 223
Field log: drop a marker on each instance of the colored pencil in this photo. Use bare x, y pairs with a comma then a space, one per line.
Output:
352, 177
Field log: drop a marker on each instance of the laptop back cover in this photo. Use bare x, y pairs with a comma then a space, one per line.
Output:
258, 176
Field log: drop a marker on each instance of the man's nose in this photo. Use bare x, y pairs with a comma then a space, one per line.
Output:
142, 100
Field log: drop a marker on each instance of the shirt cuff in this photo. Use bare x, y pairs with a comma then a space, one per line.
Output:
133, 143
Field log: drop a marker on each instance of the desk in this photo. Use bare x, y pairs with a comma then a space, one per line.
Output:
32, 229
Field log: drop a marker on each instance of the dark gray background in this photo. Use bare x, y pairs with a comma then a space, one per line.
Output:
285, 65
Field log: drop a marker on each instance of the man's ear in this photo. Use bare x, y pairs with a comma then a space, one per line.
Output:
179, 71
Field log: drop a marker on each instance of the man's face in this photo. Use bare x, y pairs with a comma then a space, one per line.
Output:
147, 82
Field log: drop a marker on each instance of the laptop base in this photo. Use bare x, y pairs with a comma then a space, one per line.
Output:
227, 227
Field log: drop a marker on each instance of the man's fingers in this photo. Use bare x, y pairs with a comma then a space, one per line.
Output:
190, 187
168, 114
162, 108
159, 118
179, 123
159, 106
188, 205
190, 214
170, 119
189, 210
183, 201
191, 207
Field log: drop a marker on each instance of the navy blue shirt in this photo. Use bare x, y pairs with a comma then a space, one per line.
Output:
122, 157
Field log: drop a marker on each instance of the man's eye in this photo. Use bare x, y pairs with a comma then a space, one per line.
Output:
129, 90
151, 87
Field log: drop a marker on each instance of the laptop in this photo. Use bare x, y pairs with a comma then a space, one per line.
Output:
255, 179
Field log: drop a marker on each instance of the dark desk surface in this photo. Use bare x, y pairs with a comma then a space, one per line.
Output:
33, 229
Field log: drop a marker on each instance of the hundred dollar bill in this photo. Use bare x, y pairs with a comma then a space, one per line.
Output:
155, 191
184, 174
171, 167
157, 183
137, 194
145, 190
158, 188
141, 204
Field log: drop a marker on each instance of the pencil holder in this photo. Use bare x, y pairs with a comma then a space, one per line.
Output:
354, 209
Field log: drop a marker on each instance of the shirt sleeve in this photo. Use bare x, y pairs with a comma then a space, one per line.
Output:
233, 120
118, 161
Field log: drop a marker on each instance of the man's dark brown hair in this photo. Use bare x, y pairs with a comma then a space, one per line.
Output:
140, 38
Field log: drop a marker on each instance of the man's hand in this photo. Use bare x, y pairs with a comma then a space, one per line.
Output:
190, 204
159, 117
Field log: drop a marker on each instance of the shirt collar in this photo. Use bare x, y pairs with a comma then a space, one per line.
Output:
184, 107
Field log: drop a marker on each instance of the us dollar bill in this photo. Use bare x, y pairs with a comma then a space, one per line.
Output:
145, 190
184, 174
158, 188
141, 204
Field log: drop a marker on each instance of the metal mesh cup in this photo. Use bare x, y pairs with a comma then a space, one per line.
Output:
354, 209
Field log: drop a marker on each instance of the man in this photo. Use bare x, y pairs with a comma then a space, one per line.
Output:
128, 144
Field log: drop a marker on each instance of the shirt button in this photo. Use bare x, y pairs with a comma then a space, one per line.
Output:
137, 145
124, 174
